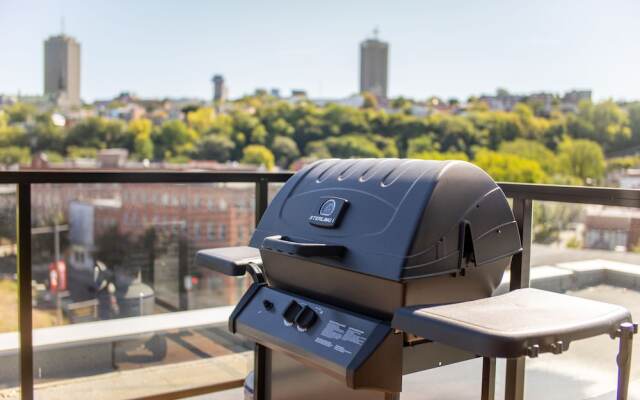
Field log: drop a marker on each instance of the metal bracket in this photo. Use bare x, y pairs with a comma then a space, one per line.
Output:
533, 351
559, 347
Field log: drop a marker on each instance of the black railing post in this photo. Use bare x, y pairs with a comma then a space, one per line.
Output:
520, 273
25, 323
262, 197
260, 352
183, 272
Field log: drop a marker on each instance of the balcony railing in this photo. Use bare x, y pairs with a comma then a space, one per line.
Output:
522, 195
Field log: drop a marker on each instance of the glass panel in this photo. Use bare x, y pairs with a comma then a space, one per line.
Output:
9, 366
593, 252
114, 275
274, 188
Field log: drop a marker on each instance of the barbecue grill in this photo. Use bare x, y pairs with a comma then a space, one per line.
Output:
342, 247
352, 261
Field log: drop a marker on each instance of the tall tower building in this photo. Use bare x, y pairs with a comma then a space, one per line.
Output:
374, 59
219, 89
62, 70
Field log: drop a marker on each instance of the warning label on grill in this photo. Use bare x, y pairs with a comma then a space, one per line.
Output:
324, 342
337, 331
355, 336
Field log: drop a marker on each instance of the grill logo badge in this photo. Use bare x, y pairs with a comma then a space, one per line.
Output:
328, 207
328, 212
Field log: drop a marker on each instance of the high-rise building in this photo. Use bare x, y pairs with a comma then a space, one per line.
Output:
219, 89
62, 70
374, 59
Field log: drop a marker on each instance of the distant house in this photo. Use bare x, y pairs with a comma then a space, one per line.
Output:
630, 179
612, 228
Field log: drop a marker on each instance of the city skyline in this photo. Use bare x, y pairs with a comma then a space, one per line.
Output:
438, 49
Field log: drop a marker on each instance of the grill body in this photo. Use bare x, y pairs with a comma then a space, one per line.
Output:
421, 232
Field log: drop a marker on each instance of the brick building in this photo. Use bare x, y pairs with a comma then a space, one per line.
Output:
612, 228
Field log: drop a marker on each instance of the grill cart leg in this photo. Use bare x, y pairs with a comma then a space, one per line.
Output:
259, 373
626, 332
488, 378
514, 385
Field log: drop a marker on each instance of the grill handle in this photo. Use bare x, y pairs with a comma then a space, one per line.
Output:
281, 244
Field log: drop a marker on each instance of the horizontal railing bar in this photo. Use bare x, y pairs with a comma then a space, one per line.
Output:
573, 194
66, 176
557, 193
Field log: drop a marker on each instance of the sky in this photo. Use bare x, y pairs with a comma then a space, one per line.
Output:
444, 48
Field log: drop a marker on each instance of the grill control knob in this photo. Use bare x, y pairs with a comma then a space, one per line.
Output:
291, 312
306, 319
267, 305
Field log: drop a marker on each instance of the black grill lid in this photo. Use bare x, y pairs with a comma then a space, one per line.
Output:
391, 218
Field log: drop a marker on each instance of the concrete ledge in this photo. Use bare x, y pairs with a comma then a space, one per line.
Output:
578, 275
115, 329
76, 349
179, 380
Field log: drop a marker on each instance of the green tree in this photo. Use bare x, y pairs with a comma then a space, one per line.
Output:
20, 112
285, 151
604, 122
386, 145
622, 163
11, 135
97, 132
140, 130
344, 120
259, 134
611, 123
421, 144
369, 100
215, 147
437, 155
75, 152
44, 135
455, 133
582, 158
317, 149
257, 154
202, 119
509, 167
551, 218
499, 126
531, 150
174, 139
14, 155
634, 121
401, 103
353, 146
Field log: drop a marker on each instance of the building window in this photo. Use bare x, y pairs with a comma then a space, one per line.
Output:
211, 233
223, 232
196, 230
